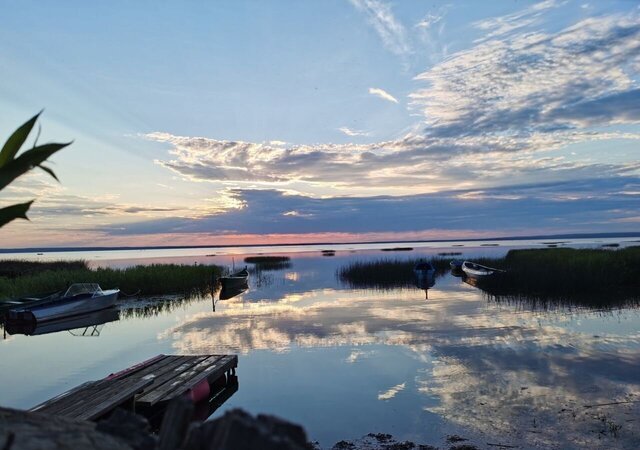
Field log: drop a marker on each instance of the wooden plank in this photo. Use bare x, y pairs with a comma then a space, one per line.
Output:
113, 401
212, 368
186, 363
157, 391
59, 398
159, 366
68, 401
112, 388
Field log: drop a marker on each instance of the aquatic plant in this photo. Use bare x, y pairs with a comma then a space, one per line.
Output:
13, 166
384, 273
14, 268
155, 279
266, 263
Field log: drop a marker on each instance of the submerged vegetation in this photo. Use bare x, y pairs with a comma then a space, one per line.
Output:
155, 279
384, 273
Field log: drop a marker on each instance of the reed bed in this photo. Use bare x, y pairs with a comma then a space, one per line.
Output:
11, 268
384, 273
267, 263
565, 271
155, 279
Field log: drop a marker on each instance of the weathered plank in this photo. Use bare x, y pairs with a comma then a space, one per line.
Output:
113, 401
209, 369
159, 390
64, 396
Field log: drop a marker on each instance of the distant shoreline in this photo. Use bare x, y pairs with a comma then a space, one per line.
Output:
177, 247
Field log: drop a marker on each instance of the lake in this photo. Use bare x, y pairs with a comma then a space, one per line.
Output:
344, 362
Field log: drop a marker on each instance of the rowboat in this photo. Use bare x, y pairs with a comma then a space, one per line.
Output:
235, 280
79, 298
474, 270
456, 266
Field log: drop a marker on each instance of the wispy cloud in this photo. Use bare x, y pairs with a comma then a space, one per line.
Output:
390, 30
350, 132
381, 93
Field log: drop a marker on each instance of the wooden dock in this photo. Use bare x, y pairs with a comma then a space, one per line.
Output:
148, 387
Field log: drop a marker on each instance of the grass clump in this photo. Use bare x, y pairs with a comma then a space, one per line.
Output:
155, 279
11, 268
266, 263
397, 249
384, 273
593, 277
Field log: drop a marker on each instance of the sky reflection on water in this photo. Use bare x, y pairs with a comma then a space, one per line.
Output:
348, 362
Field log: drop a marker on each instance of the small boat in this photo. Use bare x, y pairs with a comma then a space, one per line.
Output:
80, 298
456, 265
28, 300
474, 270
84, 324
235, 280
229, 292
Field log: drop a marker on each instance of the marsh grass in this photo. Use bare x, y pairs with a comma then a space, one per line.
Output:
267, 263
384, 273
12, 268
397, 249
155, 279
591, 277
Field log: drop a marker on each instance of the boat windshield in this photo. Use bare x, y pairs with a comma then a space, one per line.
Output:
83, 288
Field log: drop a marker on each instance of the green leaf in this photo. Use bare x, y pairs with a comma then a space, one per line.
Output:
27, 161
15, 141
17, 211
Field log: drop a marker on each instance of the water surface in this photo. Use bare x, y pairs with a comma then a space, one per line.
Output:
347, 362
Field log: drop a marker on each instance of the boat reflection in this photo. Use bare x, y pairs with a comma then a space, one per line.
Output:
228, 292
85, 325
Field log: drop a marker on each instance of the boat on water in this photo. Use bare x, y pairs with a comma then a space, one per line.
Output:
79, 298
28, 300
235, 280
229, 292
80, 325
456, 266
478, 271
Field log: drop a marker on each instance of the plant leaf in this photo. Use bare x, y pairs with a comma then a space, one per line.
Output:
49, 171
17, 211
15, 141
27, 161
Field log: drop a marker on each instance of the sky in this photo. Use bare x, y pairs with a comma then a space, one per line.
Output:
224, 123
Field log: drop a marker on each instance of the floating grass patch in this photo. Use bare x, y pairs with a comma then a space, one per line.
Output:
610, 245
265, 263
596, 275
155, 279
397, 249
449, 253
384, 273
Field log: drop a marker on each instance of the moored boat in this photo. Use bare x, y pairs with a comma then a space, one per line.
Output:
456, 265
477, 271
80, 298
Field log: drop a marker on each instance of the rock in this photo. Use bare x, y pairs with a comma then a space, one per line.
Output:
24, 430
130, 427
238, 430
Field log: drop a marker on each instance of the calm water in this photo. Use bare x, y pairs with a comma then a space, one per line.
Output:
348, 362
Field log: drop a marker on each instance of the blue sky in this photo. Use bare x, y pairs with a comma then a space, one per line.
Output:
249, 121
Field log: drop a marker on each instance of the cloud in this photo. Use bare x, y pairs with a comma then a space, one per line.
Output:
350, 132
380, 16
383, 94
583, 75
576, 206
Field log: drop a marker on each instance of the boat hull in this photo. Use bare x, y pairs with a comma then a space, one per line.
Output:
65, 307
